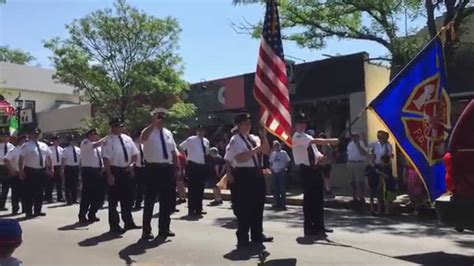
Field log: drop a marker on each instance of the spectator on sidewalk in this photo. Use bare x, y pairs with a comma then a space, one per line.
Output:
388, 183
356, 160
375, 185
217, 165
279, 161
181, 178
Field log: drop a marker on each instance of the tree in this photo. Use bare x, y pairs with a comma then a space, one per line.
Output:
124, 61
311, 23
16, 56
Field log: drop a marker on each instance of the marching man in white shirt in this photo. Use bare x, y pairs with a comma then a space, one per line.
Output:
161, 169
119, 154
306, 155
71, 160
56, 181
5, 179
198, 169
248, 188
34, 165
11, 161
91, 172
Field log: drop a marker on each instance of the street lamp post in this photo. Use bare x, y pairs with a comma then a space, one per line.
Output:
19, 106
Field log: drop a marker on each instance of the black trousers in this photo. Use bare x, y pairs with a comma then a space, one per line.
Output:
55, 182
197, 174
122, 192
139, 186
159, 181
103, 188
313, 199
5, 181
71, 182
33, 188
14, 183
91, 191
248, 193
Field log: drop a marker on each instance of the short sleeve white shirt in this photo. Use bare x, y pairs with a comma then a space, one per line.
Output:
153, 148
301, 142
68, 156
238, 145
90, 156
13, 157
353, 153
279, 160
56, 154
5, 147
31, 154
381, 150
140, 159
194, 146
113, 150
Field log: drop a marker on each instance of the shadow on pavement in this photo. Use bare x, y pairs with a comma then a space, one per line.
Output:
9, 215
439, 258
139, 248
190, 217
226, 222
74, 226
254, 251
59, 206
94, 241
279, 262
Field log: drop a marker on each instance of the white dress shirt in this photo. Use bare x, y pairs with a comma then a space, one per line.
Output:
353, 153
194, 146
13, 157
31, 155
140, 159
236, 146
68, 156
301, 142
381, 150
90, 156
113, 150
56, 154
5, 147
153, 149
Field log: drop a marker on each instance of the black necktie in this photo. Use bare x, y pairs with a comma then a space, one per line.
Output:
311, 157
98, 156
57, 155
74, 153
40, 155
163, 145
141, 154
203, 150
125, 154
250, 147
5, 150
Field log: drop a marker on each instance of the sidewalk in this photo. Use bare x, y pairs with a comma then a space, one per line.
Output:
296, 199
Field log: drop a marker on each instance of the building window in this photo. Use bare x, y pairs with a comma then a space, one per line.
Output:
30, 105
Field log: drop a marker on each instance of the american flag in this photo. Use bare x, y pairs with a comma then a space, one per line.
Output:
271, 81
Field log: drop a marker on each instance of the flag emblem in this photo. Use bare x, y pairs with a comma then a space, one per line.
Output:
426, 119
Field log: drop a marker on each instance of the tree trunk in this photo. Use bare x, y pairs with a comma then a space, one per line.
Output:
398, 63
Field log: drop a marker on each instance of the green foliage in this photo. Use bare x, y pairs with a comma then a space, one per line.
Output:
16, 56
124, 61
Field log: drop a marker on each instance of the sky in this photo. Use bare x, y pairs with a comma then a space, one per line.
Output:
209, 46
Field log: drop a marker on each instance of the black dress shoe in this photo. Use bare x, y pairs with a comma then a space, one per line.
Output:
147, 236
93, 219
243, 244
215, 203
132, 227
327, 230
29, 216
40, 214
169, 233
263, 238
83, 220
117, 230
3, 209
201, 212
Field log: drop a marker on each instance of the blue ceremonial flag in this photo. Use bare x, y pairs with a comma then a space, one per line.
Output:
415, 108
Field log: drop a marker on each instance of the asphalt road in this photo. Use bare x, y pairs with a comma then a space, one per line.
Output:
358, 240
